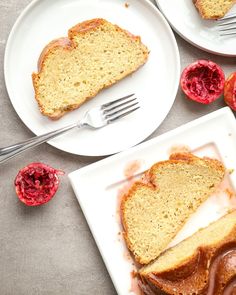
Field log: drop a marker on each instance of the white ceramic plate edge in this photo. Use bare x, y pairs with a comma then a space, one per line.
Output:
190, 41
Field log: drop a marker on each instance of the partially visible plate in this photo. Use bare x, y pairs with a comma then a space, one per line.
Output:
98, 187
155, 84
186, 21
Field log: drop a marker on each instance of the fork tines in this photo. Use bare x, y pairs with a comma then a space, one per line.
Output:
227, 25
119, 108
230, 16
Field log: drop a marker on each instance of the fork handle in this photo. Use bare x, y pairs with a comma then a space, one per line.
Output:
11, 151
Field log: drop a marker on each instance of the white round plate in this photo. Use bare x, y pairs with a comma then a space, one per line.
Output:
186, 21
155, 84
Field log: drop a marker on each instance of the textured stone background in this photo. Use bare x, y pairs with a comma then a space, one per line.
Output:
50, 250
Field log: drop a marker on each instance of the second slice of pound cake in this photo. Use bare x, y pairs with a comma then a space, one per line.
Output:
213, 9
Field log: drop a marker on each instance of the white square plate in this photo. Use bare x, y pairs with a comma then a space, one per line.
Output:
98, 186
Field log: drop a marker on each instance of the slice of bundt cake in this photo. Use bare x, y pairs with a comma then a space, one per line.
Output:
95, 55
204, 263
213, 9
154, 211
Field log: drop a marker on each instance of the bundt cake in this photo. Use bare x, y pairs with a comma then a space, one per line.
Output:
204, 263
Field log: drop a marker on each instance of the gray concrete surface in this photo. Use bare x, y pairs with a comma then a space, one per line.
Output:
49, 250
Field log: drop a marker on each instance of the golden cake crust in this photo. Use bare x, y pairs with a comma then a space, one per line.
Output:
63, 42
211, 269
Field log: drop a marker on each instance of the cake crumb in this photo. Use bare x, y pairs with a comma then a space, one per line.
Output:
126, 256
230, 171
229, 193
127, 5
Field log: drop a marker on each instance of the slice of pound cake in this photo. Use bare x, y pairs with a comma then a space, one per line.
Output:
213, 9
205, 263
95, 55
154, 210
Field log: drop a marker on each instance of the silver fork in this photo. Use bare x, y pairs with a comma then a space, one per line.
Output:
227, 25
95, 118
